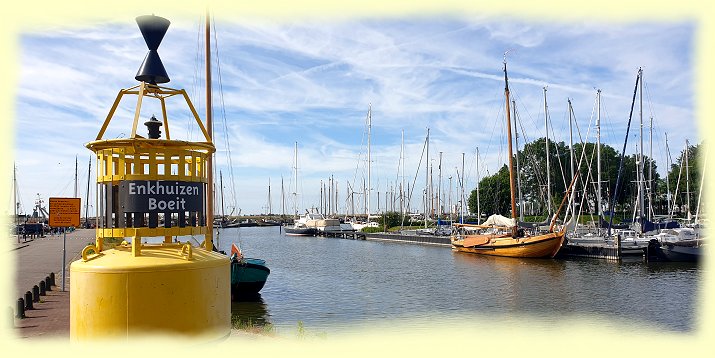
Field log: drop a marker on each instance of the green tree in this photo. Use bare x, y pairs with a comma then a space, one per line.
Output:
494, 194
390, 219
609, 171
532, 171
494, 189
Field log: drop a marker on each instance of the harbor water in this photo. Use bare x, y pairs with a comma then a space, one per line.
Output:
327, 285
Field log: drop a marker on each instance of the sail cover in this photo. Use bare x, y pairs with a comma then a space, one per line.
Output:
498, 220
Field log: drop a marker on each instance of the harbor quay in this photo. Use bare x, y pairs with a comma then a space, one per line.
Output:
36, 259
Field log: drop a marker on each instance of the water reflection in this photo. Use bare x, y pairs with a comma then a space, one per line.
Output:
250, 312
505, 285
672, 267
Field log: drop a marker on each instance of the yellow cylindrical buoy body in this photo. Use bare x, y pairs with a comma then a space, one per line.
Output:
116, 294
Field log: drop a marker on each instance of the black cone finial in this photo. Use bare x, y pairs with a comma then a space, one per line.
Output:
153, 29
153, 125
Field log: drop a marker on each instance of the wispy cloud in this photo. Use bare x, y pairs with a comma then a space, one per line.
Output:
312, 82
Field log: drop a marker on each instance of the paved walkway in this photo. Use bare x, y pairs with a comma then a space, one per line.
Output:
35, 259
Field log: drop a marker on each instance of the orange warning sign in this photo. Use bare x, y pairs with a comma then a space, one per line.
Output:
64, 212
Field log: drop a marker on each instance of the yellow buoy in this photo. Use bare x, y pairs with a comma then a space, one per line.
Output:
115, 294
151, 188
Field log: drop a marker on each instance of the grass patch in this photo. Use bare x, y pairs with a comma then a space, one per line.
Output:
398, 228
249, 326
267, 329
370, 230
302, 333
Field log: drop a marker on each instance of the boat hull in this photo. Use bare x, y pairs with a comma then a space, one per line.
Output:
683, 251
248, 276
304, 231
540, 246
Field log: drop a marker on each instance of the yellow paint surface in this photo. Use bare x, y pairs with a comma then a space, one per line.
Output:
116, 295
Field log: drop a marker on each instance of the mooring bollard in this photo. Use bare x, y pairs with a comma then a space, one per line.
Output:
28, 301
42, 288
35, 293
52, 279
47, 283
20, 308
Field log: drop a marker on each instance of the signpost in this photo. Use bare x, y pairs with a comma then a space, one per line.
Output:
64, 212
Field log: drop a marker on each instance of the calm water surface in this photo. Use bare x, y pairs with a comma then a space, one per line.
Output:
334, 285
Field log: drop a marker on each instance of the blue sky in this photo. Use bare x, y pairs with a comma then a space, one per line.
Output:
311, 82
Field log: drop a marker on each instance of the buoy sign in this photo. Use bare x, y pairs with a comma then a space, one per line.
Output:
64, 212
161, 196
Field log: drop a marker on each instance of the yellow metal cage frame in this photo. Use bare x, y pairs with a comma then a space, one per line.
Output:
139, 158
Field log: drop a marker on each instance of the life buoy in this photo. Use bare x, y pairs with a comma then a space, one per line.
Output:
235, 250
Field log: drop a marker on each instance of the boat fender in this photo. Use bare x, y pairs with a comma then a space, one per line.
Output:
236, 251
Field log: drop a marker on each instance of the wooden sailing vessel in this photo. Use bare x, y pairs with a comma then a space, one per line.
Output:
504, 237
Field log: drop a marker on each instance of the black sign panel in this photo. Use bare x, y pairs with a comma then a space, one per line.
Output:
161, 196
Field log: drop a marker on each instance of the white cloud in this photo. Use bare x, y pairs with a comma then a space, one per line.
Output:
311, 82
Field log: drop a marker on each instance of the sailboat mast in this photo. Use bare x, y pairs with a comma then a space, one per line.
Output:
430, 196
270, 204
573, 170
700, 190
208, 240
461, 207
687, 178
599, 211
451, 211
223, 213
511, 155
439, 186
402, 186
295, 173
427, 172
641, 163
667, 170
548, 166
623, 153
479, 212
369, 184
335, 195
651, 184
677, 186
518, 176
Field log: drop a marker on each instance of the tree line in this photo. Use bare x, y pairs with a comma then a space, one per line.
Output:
494, 191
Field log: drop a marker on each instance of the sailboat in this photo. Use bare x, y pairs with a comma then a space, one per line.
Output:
248, 275
501, 236
681, 244
299, 227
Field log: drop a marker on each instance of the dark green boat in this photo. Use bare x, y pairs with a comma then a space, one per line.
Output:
248, 275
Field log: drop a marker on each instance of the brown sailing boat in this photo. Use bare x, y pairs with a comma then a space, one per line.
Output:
504, 237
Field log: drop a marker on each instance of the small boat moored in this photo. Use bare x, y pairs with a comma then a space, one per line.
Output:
248, 275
